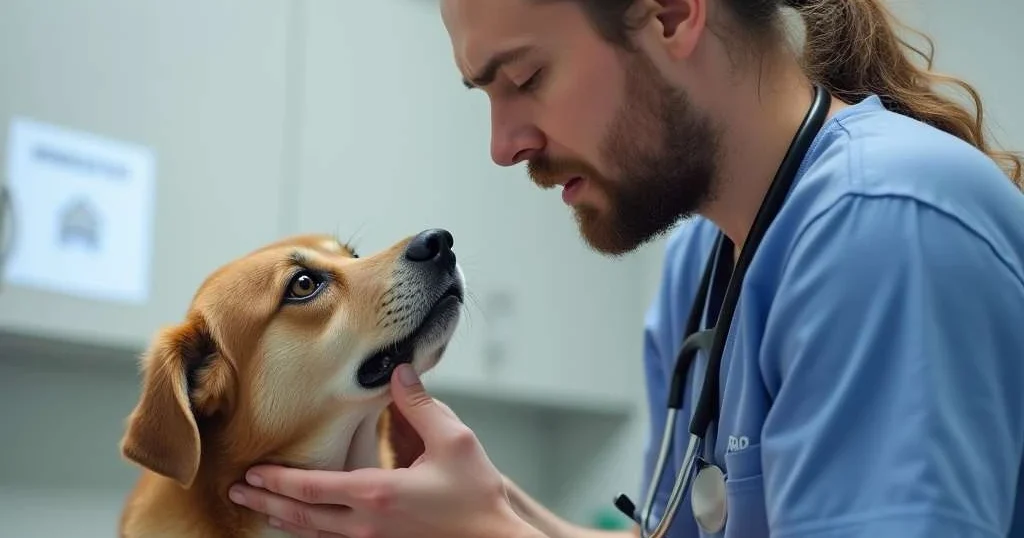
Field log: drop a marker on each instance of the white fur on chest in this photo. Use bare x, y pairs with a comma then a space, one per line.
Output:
349, 442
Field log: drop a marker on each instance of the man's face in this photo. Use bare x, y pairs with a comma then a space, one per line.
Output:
632, 155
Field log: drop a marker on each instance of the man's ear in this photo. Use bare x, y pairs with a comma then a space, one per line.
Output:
680, 23
184, 380
400, 444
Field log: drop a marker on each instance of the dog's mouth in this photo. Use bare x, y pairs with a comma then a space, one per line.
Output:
375, 372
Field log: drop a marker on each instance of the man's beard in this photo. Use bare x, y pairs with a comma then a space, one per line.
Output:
664, 152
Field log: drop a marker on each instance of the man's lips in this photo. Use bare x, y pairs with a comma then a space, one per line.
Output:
571, 189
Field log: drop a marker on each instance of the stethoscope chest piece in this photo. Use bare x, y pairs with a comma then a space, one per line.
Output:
708, 498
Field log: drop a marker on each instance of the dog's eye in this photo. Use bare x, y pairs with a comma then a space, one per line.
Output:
303, 286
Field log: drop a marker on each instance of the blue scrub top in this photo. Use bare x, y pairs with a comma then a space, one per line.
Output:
873, 381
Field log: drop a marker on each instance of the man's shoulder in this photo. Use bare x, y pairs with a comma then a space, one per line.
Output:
878, 171
873, 152
890, 195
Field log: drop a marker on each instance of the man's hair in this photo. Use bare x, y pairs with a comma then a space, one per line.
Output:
852, 48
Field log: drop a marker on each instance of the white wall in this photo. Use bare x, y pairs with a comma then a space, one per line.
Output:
61, 413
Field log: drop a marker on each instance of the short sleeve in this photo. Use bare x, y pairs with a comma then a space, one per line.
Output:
894, 350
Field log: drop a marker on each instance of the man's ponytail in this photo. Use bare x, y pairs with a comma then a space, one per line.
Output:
852, 48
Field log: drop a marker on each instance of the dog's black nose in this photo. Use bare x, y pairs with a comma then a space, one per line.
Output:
429, 245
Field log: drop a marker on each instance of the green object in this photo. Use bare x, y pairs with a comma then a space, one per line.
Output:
611, 520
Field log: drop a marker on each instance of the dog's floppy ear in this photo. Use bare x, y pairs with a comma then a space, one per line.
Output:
400, 444
184, 379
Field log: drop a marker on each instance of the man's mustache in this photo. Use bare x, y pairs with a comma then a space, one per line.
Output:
548, 173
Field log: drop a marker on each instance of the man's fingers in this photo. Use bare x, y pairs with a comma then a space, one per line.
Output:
407, 446
436, 424
402, 438
353, 488
444, 407
289, 511
421, 411
408, 390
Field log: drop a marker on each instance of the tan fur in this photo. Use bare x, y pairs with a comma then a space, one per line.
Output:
270, 383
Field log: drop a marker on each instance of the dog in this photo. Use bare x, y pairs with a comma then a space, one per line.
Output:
284, 357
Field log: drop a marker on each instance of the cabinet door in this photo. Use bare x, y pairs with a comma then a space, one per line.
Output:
201, 85
392, 143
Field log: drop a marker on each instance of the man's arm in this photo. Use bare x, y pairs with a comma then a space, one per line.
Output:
893, 353
550, 524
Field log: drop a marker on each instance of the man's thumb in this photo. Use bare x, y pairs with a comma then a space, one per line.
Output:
418, 407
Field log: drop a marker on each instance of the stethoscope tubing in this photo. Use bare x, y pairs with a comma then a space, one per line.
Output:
707, 408
679, 489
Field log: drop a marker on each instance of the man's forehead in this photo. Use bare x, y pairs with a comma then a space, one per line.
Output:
476, 24
485, 30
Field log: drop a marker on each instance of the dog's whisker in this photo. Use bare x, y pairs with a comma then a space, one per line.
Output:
353, 238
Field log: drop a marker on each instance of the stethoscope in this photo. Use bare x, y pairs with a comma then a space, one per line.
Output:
708, 497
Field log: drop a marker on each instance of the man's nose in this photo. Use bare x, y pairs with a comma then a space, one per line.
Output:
514, 142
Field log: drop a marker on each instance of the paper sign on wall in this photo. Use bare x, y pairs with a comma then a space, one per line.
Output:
83, 212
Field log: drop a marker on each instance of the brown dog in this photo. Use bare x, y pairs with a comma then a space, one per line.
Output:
284, 357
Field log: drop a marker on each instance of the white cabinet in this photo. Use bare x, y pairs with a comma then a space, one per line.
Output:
392, 143
200, 83
296, 117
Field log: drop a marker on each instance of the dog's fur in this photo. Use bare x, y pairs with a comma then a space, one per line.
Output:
251, 377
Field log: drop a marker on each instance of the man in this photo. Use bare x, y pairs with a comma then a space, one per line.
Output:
871, 384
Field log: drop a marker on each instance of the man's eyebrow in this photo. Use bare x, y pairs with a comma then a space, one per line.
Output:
490, 70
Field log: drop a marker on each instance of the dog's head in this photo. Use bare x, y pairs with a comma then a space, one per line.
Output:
287, 337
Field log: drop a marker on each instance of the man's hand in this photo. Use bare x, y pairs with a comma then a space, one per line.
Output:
452, 491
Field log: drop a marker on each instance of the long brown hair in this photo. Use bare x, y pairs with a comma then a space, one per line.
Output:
851, 47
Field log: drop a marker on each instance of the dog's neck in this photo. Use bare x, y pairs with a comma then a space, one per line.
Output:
341, 443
